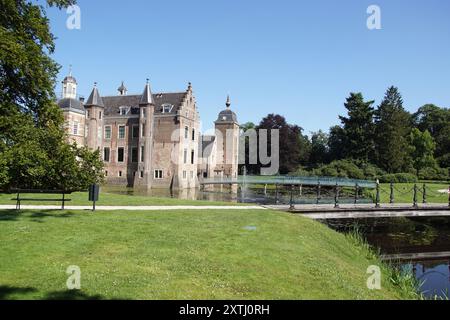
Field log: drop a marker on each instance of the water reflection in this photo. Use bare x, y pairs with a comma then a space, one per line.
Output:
420, 244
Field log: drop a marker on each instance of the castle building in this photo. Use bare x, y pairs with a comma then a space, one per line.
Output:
151, 140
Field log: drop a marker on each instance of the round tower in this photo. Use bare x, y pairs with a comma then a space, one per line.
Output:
95, 114
227, 135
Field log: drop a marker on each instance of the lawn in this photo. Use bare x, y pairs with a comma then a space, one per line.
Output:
113, 199
215, 254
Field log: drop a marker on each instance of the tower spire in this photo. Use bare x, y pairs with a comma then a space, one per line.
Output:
147, 97
228, 103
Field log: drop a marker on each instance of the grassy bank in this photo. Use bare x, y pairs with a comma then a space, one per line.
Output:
183, 255
114, 199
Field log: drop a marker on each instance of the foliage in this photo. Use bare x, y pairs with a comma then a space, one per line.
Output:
358, 128
434, 173
437, 121
33, 148
319, 148
295, 146
398, 178
422, 150
393, 126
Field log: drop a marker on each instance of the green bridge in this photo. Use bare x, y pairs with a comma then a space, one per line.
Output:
290, 181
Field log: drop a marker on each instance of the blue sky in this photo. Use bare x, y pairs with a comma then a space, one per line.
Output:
297, 58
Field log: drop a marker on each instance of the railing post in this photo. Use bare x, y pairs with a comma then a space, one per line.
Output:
377, 197
291, 202
391, 196
276, 193
449, 196
336, 196
424, 193
318, 192
415, 196
356, 193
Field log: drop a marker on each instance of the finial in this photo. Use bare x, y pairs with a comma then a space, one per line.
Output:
70, 70
228, 104
95, 84
148, 80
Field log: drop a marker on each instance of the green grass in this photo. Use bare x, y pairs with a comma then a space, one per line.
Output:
183, 255
112, 199
403, 192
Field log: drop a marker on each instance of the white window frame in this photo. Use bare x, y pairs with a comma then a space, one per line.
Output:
75, 128
110, 133
124, 132
158, 174
167, 108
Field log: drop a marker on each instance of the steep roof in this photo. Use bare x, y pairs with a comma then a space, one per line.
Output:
94, 99
70, 103
113, 103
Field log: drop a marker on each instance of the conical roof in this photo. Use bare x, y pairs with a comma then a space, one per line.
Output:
95, 99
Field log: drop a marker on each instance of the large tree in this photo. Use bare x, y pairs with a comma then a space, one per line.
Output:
422, 152
294, 146
33, 145
393, 126
319, 148
358, 128
437, 121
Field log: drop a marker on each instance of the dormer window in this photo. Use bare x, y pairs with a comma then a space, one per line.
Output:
167, 108
123, 111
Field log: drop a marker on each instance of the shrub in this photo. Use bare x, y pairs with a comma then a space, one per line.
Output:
398, 178
441, 174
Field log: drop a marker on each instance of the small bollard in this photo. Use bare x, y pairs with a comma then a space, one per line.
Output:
424, 193
318, 193
377, 197
336, 196
291, 202
391, 196
276, 194
449, 196
415, 196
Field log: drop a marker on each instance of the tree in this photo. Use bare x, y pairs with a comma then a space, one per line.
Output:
423, 147
294, 146
33, 145
392, 129
336, 142
358, 128
319, 148
437, 121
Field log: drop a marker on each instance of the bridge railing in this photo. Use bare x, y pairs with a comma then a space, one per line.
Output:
292, 180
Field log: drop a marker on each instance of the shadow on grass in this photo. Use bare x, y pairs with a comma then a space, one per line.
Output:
14, 215
7, 291
71, 295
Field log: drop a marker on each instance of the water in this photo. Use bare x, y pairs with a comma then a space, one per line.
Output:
421, 245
